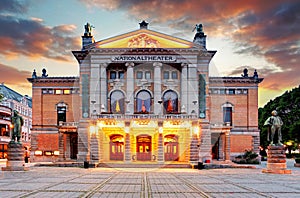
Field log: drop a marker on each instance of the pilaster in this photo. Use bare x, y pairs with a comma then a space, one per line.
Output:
130, 88
157, 88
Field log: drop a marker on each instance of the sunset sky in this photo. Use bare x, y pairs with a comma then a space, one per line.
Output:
257, 34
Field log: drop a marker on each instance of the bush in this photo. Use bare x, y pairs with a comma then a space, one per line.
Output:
297, 160
249, 157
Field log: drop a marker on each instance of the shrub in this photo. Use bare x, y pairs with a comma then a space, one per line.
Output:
249, 157
297, 160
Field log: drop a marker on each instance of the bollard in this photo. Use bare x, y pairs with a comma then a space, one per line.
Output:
85, 164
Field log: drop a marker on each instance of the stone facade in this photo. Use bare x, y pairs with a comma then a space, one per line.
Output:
146, 97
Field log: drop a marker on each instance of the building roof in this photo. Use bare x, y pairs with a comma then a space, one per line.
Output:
8, 93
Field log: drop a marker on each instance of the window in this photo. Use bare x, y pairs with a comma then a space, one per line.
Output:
117, 102
3, 151
170, 102
121, 74
61, 114
67, 91
139, 75
227, 115
148, 75
166, 75
174, 75
143, 102
113, 75
58, 91
231, 91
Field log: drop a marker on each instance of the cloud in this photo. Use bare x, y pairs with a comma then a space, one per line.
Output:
29, 37
10, 75
269, 30
13, 6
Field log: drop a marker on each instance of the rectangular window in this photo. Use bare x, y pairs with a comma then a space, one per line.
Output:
67, 91
113, 75
231, 91
174, 75
166, 75
139, 75
148, 75
58, 91
44, 91
121, 75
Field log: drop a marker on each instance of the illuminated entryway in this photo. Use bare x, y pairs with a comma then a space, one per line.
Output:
143, 148
116, 147
171, 148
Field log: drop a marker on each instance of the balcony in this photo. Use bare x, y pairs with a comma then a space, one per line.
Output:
145, 116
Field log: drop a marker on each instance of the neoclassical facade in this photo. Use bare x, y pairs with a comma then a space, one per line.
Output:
145, 97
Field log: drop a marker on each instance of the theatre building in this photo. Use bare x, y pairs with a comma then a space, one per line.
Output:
144, 97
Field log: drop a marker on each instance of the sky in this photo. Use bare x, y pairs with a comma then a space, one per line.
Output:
254, 34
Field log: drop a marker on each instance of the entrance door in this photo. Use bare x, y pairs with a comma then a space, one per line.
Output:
171, 148
73, 146
143, 148
117, 147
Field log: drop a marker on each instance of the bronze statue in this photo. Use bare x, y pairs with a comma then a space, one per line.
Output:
274, 123
198, 28
17, 123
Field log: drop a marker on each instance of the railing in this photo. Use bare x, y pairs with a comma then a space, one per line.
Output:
144, 116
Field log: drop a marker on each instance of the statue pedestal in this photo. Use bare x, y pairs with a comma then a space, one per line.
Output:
15, 158
276, 163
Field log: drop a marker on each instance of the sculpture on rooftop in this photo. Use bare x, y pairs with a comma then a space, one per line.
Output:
274, 123
44, 73
88, 29
198, 28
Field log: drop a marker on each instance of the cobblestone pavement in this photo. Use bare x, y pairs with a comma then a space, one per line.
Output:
127, 182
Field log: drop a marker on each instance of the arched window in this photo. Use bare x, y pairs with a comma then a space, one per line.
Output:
61, 109
117, 102
227, 113
170, 101
143, 102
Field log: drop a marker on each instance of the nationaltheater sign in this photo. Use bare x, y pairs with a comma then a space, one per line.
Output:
144, 58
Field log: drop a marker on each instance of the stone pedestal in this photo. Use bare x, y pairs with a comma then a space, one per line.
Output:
15, 158
276, 161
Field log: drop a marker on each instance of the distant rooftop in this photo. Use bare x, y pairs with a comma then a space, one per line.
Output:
8, 93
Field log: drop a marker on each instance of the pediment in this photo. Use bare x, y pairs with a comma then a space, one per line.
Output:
143, 38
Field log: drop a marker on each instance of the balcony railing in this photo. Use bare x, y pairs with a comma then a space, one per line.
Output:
144, 116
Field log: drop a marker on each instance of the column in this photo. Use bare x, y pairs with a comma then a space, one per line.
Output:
193, 103
227, 145
94, 88
184, 87
127, 148
130, 88
160, 155
157, 88
103, 86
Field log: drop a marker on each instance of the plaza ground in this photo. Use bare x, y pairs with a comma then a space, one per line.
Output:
150, 182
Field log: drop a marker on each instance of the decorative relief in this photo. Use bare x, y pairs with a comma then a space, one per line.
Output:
143, 41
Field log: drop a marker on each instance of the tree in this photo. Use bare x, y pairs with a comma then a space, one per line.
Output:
288, 107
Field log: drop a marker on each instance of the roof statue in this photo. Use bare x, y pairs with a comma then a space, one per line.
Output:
255, 75
44, 73
198, 28
34, 74
245, 73
88, 29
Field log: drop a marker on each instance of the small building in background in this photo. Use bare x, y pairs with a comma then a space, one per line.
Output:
12, 100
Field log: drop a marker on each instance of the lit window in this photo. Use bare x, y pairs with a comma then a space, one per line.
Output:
67, 91
166, 75
174, 75
139, 75
58, 91
148, 75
